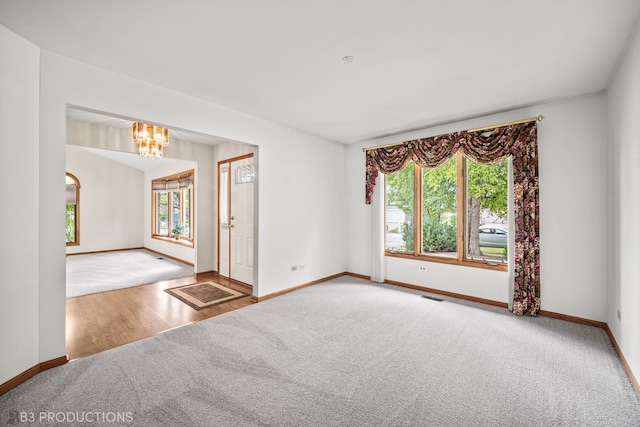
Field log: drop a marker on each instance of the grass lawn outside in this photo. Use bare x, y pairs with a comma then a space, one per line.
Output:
491, 251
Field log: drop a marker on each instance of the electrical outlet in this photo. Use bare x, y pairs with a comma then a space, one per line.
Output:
301, 267
422, 268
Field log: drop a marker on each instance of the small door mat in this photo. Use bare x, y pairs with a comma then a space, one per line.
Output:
204, 294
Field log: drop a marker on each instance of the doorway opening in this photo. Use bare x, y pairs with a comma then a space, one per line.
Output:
113, 175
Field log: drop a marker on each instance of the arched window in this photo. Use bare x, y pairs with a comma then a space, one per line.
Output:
73, 210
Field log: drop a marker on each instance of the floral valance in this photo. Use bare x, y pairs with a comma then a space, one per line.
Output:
484, 146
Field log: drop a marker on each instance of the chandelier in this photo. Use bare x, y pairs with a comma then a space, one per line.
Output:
151, 139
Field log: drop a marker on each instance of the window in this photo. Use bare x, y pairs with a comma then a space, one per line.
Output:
172, 206
456, 213
73, 210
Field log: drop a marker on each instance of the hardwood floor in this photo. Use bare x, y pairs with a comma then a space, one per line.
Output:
105, 320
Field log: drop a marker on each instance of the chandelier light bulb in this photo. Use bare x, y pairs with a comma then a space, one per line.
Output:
150, 139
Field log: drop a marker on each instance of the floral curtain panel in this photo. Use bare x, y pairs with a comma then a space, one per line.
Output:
486, 146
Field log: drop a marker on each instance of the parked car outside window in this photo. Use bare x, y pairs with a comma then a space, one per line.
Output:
493, 237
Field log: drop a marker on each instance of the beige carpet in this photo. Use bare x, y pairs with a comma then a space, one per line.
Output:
348, 352
106, 271
204, 294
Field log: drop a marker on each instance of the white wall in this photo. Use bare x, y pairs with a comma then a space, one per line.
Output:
572, 213
623, 179
111, 202
19, 250
301, 212
301, 204
229, 150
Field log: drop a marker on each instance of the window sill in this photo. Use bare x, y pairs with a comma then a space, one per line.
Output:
181, 242
488, 265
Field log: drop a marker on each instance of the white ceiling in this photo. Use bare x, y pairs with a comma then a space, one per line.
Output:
417, 63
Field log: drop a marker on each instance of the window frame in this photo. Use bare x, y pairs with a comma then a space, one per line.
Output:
461, 201
184, 212
76, 213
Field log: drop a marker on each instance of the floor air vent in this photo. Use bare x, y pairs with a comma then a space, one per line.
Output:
432, 298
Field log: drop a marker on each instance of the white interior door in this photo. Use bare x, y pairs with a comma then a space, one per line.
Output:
236, 213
